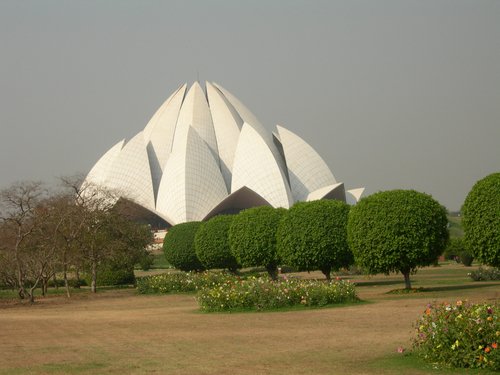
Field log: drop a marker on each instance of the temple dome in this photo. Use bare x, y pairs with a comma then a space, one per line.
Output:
204, 153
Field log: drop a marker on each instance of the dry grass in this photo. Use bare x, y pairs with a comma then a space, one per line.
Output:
119, 332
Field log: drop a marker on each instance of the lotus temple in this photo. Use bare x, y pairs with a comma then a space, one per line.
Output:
203, 153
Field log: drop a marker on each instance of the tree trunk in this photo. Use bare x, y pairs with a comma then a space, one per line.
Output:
406, 274
272, 270
54, 278
21, 291
65, 276
44, 286
327, 271
31, 291
20, 280
93, 284
31, 294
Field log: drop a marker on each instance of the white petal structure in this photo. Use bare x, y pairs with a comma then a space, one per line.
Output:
204, 153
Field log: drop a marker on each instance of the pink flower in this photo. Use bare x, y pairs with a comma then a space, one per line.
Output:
401, 350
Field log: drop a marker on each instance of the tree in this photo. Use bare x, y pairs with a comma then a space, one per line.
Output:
99, 236
109, 240
127, 242
212, 244
313, 235
252, 237
481, 220
179, 248
397, 230
41, 233
456, 251
18, 205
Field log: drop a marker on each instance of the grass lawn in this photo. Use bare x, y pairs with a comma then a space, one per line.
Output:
120, 332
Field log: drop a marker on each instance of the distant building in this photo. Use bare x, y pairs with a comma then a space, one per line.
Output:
204, 153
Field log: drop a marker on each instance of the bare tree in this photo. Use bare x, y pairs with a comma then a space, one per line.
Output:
42, 235
17, 212
101, 234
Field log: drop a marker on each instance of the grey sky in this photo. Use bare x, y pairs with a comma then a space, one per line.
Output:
392, 94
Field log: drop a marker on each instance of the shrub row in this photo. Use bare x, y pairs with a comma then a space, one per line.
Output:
398, 230
73, 283
109, 277
460, 335
181, 282
485, 274
264, 294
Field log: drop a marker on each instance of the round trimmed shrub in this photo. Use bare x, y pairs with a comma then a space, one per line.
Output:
466, 258
179, 249
252, 237
454, 249
212, 244
481, 220
313, 235
397, 230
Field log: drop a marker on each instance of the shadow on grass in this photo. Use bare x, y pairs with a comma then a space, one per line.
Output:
377, 283
454, 287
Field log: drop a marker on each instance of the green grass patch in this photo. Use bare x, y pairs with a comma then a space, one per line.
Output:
410, 362
12, 294
160, 262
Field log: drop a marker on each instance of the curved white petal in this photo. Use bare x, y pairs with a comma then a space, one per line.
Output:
195, 112
239, 200
335, 191
130, 174
99, 172
166, 116
192, 184
251, 120
306, 169
256, 167
356, 193
161, 129
227, 124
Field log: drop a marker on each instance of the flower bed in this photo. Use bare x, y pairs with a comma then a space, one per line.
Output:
264, 294
181, 282
460, 335
485, 274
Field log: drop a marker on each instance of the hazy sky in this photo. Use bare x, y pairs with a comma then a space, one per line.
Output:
392, 94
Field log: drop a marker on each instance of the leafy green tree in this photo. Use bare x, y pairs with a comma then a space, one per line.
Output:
456, 251
454, 248
179, 247
111, 241
313, 235
212, 244
397, 230
481, 220
252, 237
